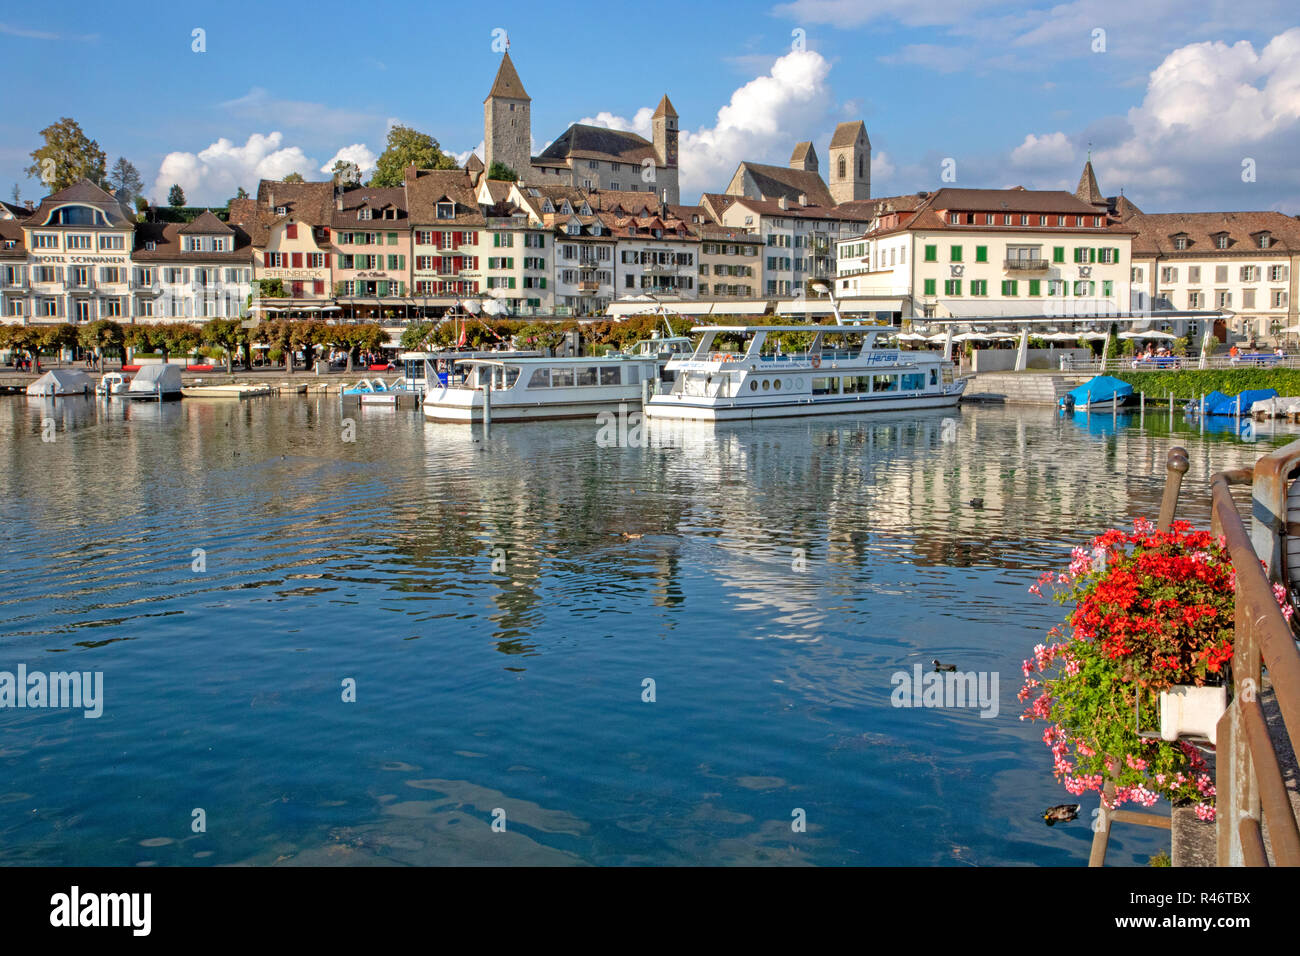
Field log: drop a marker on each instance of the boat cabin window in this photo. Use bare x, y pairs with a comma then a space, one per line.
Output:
913, 381
934, 376
857, 384
885, 383
577, 376
825, 386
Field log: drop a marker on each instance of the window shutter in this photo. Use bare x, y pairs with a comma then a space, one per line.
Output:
1116, 252
1092, 255
543, 283
401, 262
266, 260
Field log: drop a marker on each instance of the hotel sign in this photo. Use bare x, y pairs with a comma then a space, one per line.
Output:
80, 260
292, 273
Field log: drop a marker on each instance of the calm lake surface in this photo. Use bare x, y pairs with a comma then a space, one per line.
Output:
499, 617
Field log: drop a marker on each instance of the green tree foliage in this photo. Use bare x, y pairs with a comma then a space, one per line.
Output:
346, 172
228, 334
1192, 383
74, 157
499, 170
241, 193
408, 147
294, 177
102, 336
176, 195
125, 179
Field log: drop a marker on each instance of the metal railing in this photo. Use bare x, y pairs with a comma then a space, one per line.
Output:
1249, 787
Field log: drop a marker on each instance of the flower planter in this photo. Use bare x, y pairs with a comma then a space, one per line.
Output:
1186, 711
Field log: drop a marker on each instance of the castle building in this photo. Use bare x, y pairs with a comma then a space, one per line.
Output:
583, 157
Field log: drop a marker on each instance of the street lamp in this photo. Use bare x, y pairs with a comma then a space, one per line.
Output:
821, 288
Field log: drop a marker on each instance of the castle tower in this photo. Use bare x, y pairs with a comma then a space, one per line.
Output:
664, 125
804, 157
507, 126
850, 174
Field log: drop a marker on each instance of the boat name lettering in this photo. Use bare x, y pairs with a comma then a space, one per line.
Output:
879, 358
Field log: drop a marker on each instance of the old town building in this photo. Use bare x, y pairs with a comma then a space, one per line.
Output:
191, 271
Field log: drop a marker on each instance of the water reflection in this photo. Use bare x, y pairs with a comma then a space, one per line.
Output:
500, 600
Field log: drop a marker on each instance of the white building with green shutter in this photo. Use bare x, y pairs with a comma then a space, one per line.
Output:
371, 251
992, 252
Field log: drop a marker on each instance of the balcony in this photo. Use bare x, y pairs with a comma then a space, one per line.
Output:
1025, 265
588, 288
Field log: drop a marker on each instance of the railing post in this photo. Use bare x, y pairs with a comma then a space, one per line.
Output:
1175, 467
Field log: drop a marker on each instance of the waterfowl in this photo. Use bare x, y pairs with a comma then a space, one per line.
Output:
1061, 813
944, 667
976, 503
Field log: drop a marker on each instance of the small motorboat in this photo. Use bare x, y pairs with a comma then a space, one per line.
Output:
113, 383
1103, 393
367, 386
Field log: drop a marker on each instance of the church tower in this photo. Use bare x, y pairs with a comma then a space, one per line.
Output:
850, 173
664, 126
507, 127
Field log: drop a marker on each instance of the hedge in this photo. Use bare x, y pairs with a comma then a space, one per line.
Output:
1193, 383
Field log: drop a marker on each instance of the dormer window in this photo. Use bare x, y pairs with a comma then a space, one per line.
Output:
150, 245
365, 214
446, 210
1180, 243
566, 208
548, 207
1221, 241
1265, 240
586, 210
281, 210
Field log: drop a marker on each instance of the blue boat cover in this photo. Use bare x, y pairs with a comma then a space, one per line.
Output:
1100, 389
1218, 404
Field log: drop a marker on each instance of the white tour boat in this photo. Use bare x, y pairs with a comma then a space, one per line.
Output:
713, 385
527, 388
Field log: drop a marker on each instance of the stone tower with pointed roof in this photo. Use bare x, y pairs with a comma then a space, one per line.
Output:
664, 126
1088, 190
804, 157
507, 126
850, 155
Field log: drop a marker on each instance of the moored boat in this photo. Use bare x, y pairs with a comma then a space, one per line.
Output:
752, 383
61, 382
158, 382
1102, 393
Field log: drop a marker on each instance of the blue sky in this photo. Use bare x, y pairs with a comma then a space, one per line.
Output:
1186, 107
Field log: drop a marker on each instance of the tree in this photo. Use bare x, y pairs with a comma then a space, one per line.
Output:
415, 335
407, 147
141, 204
103, 335
125, 178
176, 195
499, 170
242, 194
279, 335
56, 338
229, 334
346, 172
67, 157
294, 178
17, 194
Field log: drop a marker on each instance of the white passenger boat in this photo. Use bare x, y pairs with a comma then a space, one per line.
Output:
713, 385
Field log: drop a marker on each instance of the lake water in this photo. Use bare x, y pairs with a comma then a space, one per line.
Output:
500, 616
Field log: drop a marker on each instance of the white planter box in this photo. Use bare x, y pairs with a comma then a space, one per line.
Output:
1186, 710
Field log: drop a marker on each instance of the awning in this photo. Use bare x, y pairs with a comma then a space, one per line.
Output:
871, 305
984, 309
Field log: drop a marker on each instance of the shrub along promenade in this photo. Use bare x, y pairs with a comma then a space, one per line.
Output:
1193, 383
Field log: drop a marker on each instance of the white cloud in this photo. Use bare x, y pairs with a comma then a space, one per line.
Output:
358, 153
882, 169
1051, 150
214, 174
639, 124
1208, 107
762, 121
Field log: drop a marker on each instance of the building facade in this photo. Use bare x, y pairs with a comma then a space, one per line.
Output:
1243, 263
191, 272
991, 252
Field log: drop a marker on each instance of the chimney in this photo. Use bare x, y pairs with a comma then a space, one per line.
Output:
30, 206
270, 199
411, 172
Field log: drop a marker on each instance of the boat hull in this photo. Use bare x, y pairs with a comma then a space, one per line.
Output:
533, 412
669, 408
